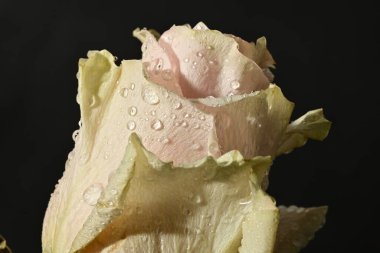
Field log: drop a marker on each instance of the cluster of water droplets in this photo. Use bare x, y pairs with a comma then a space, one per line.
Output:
157, 121
200, 57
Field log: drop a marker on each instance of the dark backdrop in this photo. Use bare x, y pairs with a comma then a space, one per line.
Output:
327, 56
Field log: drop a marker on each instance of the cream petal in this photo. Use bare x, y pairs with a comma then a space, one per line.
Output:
208, 206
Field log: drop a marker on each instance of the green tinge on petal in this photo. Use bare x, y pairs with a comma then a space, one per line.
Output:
260, 226
207, 206
297, 227
96, 75
261, 54
142, 34
312, 125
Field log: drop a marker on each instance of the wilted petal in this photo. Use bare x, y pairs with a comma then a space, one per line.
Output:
312, 125
297, 227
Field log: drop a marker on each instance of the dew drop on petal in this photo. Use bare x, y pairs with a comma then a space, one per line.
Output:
159, 64
131, 125
177, 105
185, 124
197, 199
132, 87
166, 140
186, 60
157, 125
199, 54
153, 112
75, 135
93, 101
202, 117
92, 194
132, 110
235, 84
124, 92
150, 96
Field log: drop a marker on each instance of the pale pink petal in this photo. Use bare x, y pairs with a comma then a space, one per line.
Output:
207, 63
254, 123
157, 66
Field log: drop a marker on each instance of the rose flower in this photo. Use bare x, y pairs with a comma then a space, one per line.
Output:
173, 151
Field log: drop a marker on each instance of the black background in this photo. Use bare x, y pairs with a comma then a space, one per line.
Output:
327, 56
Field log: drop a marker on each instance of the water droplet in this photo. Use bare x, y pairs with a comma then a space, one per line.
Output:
132, 110
196, 126
185, 124
124, 92
106, 156
209, 47
131, 125
92, 194
177, 105
166, 140
187, 115
202, 117
153, 112
110, 203
177, 124
150, 96
199, 54
132, 86
235, 84
196, 146
93, 101
259, 125
186, 60
157, 125
75, 135
159, 64
173, 116
197, 199
194, 64
211, 62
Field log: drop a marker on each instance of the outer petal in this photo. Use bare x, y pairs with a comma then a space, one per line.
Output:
312, 125
208, 206
207, 63
115, 102
297, 227
254, 124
